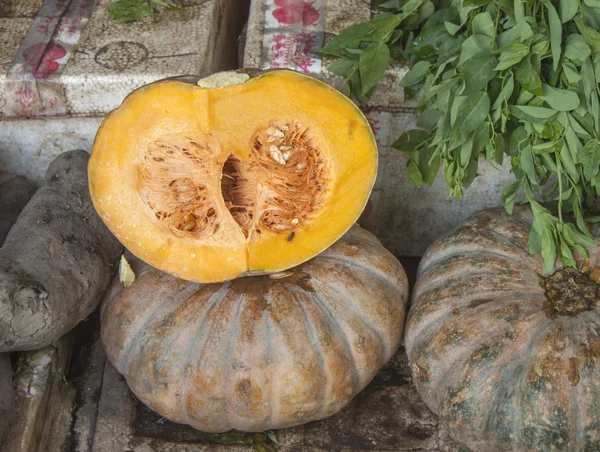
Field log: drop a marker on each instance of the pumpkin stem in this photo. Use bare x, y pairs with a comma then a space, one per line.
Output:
569, 292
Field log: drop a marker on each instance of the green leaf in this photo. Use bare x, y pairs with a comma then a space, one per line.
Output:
410, 140
592, 3
481, 137
528, 165
595, 111
560, 99
535, 241
128, 11
577, 49
566, 255
390, 4
475, 2
348, 38
509, 194
568, 9
500, 145
577, 128
574, 236
478, 72
588, 79
568, 162
373, 63
383, 26
519, 10
428, 118
466, 150
548, 250
528, 78
521, 32
483, 24
272, 436
414, 175
555, 34
472, 112
416, 74
544, 147
343, 68
168, 5
571, 72
451, 28
532, 114
590, 159
474, 46
396, 35
507, 90
591, 36
464, 12
512, 55
429, 164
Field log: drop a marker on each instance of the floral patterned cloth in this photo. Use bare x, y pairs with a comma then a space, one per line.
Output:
32, 83
293, 29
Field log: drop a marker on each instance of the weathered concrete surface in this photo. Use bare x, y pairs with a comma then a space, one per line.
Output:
41, 418
7, 396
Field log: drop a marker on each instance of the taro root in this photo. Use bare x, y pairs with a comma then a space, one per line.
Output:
57, 260
260, 352
15, 192
7, 395
506, 356
232, 175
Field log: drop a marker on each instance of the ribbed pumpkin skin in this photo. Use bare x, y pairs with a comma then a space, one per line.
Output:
259, 353
486, 353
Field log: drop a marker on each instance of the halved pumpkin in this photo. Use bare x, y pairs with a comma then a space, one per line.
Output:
232, 175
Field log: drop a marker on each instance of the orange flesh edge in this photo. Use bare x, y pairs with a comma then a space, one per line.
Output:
231, 115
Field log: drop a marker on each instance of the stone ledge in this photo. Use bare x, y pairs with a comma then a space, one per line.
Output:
43, 399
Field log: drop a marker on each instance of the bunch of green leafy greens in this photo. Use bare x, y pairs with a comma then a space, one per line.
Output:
515, 78
128, 11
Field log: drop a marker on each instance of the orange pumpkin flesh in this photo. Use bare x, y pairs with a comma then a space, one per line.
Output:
211, 183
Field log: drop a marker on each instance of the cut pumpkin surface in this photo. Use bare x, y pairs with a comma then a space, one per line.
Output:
212, 181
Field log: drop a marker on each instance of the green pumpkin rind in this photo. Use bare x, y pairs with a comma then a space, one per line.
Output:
501, 370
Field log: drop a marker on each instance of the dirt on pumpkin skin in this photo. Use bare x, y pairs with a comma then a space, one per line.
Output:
569, 292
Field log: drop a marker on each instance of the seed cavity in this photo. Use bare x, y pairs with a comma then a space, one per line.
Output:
238, 188
277, 188
293, 174
173, 176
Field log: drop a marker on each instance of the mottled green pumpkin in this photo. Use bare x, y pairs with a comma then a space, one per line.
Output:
259, 352
507, 357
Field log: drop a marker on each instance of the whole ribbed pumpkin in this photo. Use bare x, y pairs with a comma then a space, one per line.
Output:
507, 357
259, 352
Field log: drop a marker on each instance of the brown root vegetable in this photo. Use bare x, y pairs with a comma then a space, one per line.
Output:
15, 192
57, 260
7, 396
